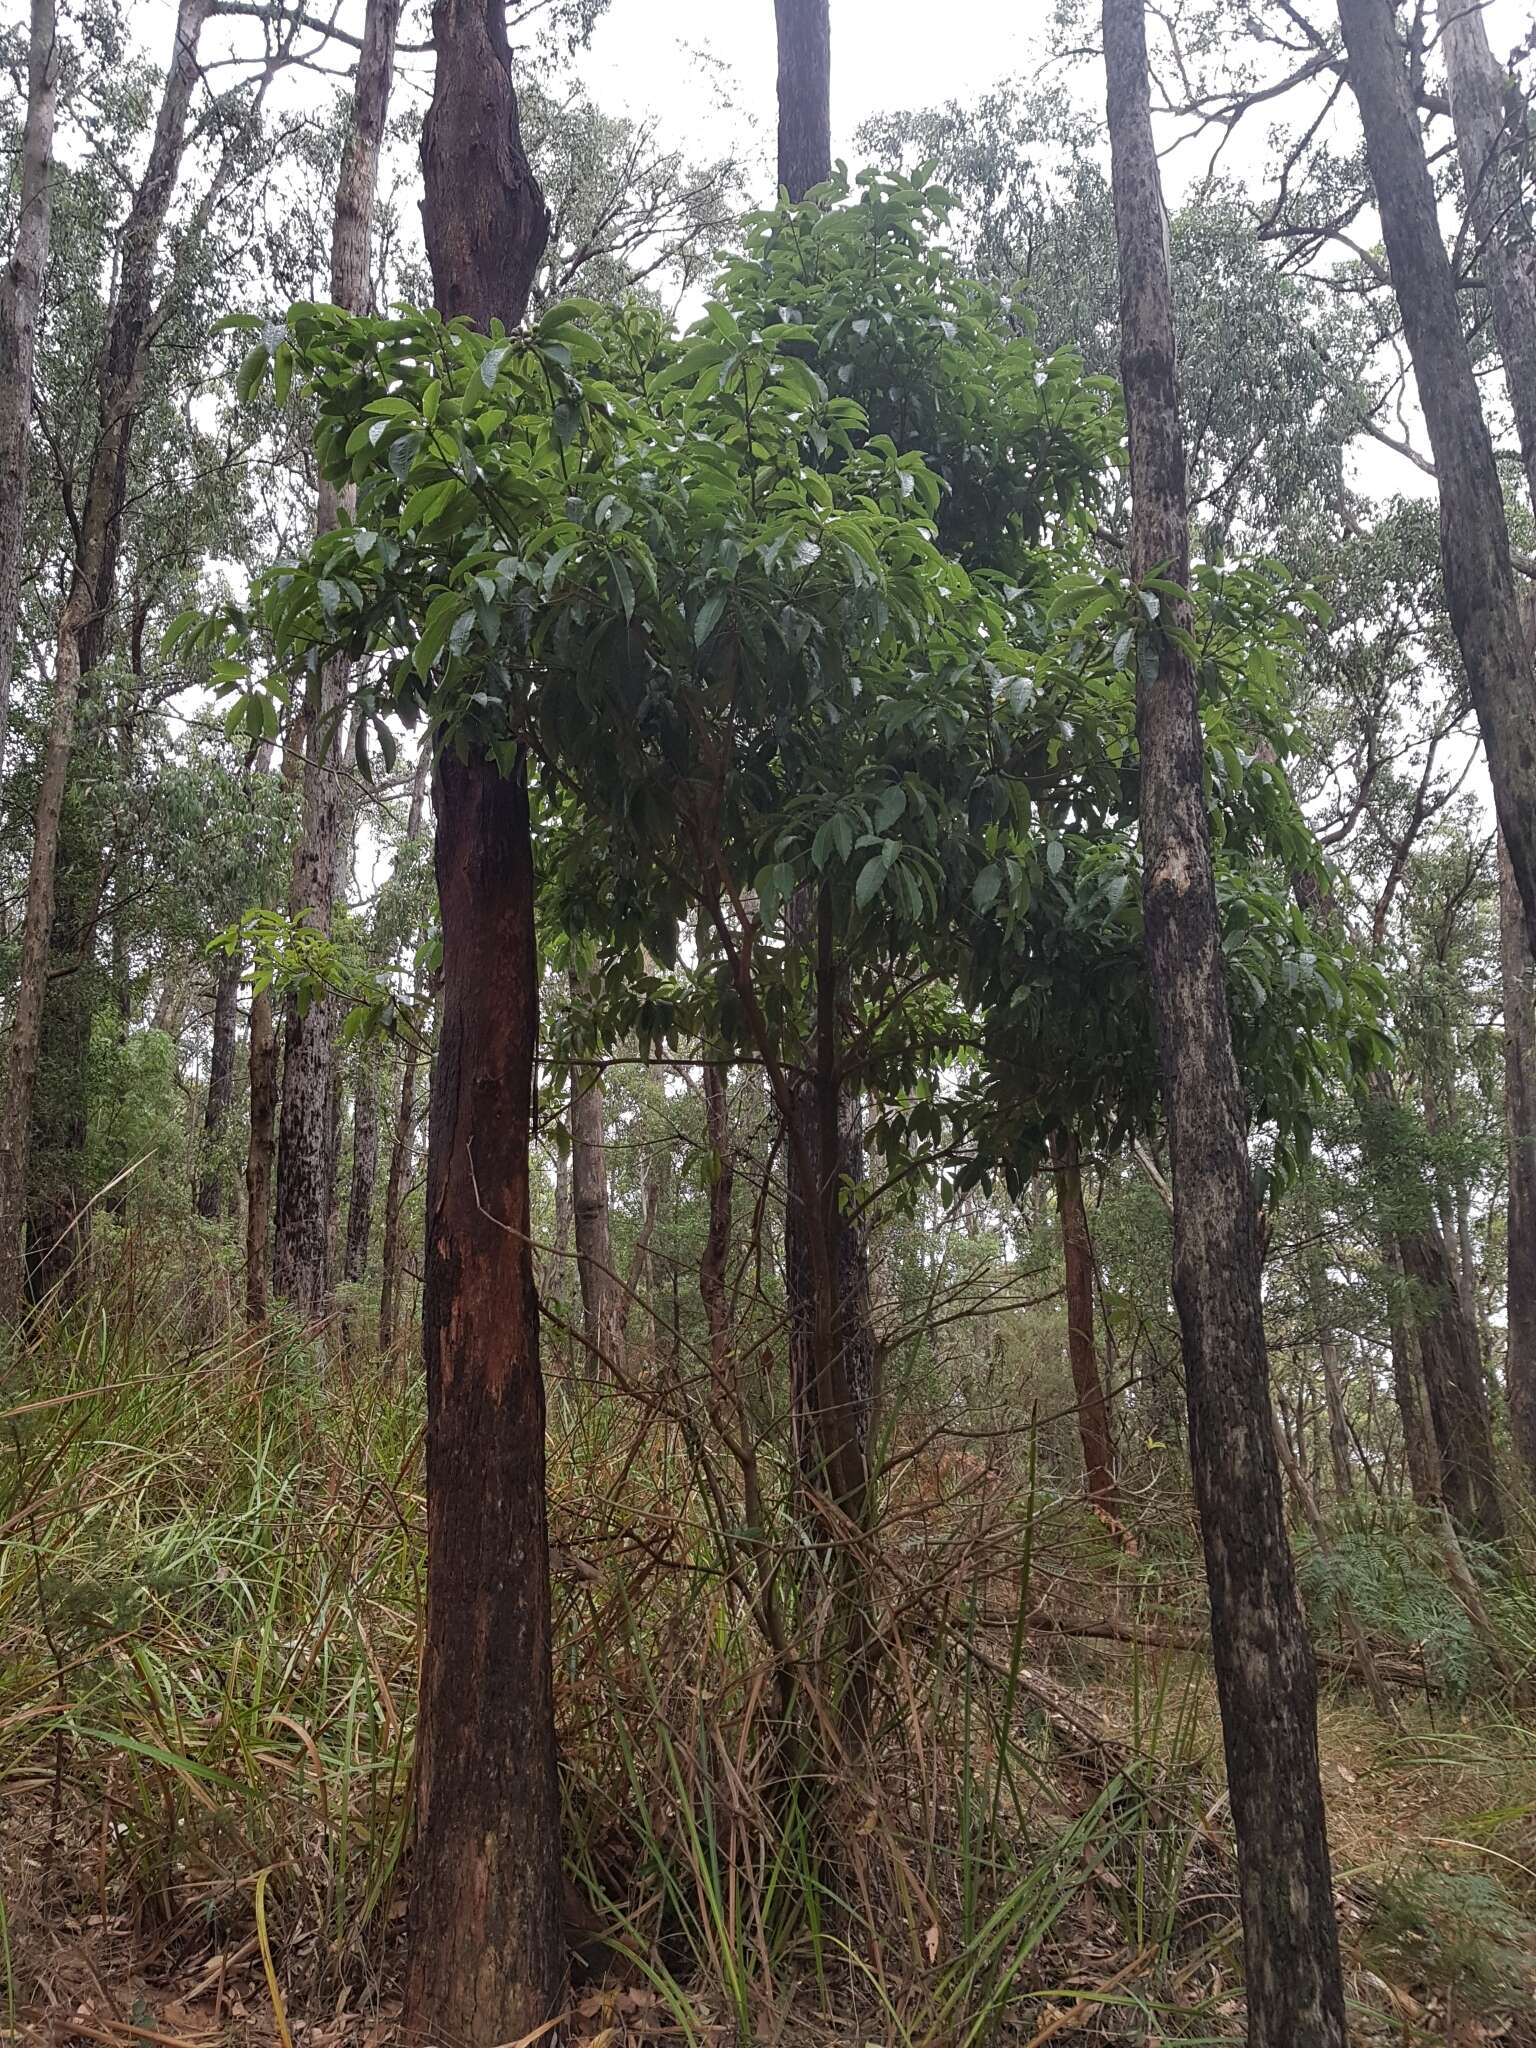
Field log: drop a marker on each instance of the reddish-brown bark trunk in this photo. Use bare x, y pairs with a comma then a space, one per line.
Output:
487, 1954
487, 1948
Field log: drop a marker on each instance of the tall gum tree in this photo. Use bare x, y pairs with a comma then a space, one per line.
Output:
305, 1160
21, 287
1480, 590
1486, 111
82, 618
487, 1952
1264, 1671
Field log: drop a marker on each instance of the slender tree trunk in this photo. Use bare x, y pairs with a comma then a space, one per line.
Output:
403, 1139
1474, 536
221, 1087
1338, 1421
487, 1953
1458, 1393
1520, 1120
365, 1165
1077, 1255
306, 1157
805, 94
21, 287
600, 1291
1488, 113
1265, 1678
82, 618
258, 1158
1489, 116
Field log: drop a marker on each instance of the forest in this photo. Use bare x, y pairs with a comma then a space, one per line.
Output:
767, 908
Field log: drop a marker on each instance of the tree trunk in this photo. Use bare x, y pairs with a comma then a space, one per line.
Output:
600, 1291
306, 1157
1474, 536
21, 287
1420, 1453
1458, 1394
83, 615
1265, 1677
487, 1954
1077, 1254
365, 1164
258, 1158
805, 94
1485, 106
1520, 1120
221, 1087
402, 1143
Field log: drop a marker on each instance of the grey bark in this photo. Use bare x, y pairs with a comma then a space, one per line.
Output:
221, 1087
365, 1165
1474, 536
21, 286
1266, 1682
82, 618
306, 1156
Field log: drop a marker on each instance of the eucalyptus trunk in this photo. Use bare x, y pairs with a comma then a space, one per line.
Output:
21, 289
260, 1147
365, 1166
1093, 1429
82, 617
1265, 1679
487, 1953
221, 1088
1474, 536
306, 1152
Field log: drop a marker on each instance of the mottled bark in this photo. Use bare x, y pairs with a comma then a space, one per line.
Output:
1474, 536
258, 1158
306, 1154
365, 1166
487, 1957
82, 618
805, 94
21, 287
221, 1088
1093, 1428
1265, 1678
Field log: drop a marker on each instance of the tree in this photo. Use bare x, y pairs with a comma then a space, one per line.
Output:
82, 620
21, 286
305, 1160
487, 1960
1474, 536
1264, 1671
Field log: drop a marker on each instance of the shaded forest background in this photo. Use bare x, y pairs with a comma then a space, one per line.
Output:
696, 725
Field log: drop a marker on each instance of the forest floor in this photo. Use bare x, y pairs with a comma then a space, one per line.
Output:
209, 1610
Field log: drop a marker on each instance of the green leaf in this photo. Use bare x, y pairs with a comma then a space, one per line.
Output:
709, 616
871, 880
